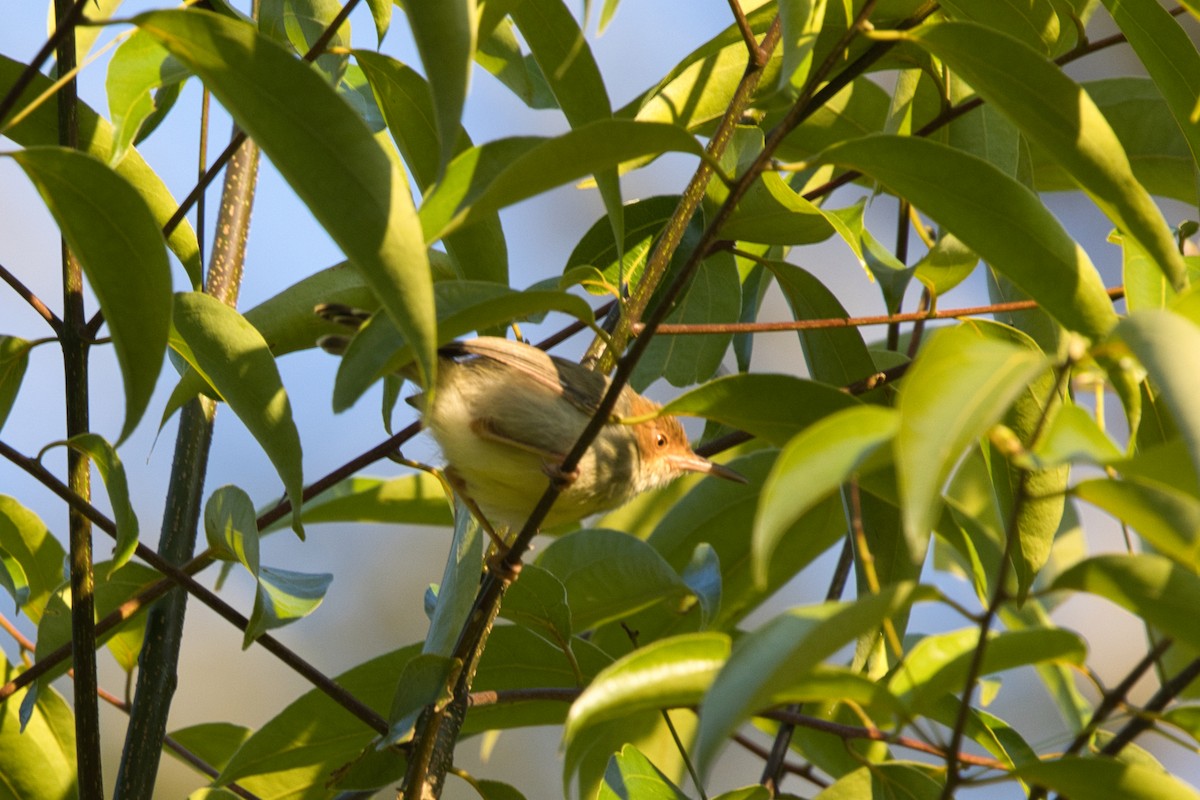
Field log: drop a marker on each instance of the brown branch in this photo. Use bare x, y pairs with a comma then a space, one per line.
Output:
1115, 293
757, 57
202, 593
171, 744
849, 732
32, 299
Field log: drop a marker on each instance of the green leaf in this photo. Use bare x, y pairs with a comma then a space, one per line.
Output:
26, 540
214, 742
664, 674
836, 356
111, 231
96, 138
1168, 55
565, 60
1161, 593
445, 36
37, 760
713, 296
233, 357
939, 664
781, 651
495, 175
1035, 24
14, 358
231, 528
313, 735
539, 602
462, 306
703, 577
1104, 779
299, 24
801, 24
1058, 115
1073, 436
773, 213
286, 320
609, 575
958, 387
810, 468
381, 14
139, 68
412, 500
1155, 337
771, 406
325, 152
720, 513
962, 192
112, 473
946, 265
699, 88
1157, 150
113, 587
479, 251
632, 776
589, 757
460, 579
426, 680
885, 782
1166, 517
283, 597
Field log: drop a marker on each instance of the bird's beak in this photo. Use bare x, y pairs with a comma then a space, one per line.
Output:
690, 462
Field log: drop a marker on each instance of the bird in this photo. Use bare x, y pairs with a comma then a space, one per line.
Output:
505, 414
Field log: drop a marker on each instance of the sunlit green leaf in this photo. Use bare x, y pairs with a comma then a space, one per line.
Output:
811, 467
670, 672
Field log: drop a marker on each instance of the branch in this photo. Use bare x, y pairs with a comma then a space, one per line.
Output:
999, 592
32, 299
310, 673
675, 329
66, 24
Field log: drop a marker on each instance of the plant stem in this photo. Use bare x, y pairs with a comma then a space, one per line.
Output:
74, 341
159, 658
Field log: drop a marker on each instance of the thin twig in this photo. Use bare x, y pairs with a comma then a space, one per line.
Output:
66, 25
757, 57
32, 299
202, 593
679, 329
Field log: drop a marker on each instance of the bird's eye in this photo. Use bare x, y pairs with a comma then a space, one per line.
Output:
661, 440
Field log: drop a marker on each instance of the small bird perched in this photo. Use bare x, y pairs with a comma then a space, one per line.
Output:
506, 414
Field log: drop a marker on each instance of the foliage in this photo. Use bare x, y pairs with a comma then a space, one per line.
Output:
942, 464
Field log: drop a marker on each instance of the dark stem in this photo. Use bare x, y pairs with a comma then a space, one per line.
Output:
32, 299
74, 340
158, 661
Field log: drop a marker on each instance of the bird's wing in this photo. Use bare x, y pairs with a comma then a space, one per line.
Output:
576, 383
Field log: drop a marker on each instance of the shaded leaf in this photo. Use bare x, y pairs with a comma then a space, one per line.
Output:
283, 597
771, 406
325, 152
111, 231
1027, 244
1057, 114
233, 357
14, 358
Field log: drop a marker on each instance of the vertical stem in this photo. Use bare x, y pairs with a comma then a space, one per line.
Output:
158, 661
74, 343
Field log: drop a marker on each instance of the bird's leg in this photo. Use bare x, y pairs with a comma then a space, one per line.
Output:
454, 486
